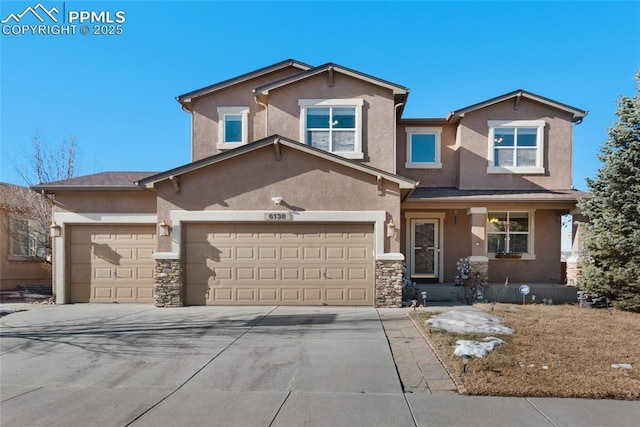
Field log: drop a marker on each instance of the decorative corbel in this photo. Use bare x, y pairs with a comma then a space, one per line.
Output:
516, 101
276, 147
380, 187
175, 181
330, 77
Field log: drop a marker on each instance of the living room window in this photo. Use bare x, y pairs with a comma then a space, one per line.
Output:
232, 127
508, 232
333, 125
26, 241
516, 146
423, 148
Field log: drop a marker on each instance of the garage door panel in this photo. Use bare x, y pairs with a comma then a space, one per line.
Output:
280, 263
112, 263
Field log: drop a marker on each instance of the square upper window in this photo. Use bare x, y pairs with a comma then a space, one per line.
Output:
423, 148
516, 146
232, 127
27, 240
333, 125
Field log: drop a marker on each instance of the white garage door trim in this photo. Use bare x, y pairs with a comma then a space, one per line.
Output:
179, 216
59, 246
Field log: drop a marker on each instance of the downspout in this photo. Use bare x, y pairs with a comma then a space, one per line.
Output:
266, 116
395, 136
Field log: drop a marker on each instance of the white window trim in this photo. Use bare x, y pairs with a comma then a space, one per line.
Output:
222, 111
538, 168
424, 130
528, 256
357, 153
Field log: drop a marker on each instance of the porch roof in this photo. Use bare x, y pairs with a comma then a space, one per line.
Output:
98, 181
452, 194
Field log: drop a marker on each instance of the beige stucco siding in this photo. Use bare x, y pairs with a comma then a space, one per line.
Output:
473, 134
447, 176
204, 124
377, 113
306, 183
136, 201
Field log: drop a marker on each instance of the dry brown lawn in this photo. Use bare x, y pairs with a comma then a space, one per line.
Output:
577, 345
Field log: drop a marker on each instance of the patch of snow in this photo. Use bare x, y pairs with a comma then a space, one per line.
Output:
622, 366
470, 348
545, 367
468, 321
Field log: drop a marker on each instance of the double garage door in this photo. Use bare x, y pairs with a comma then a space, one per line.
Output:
235, 263
284, 264
112, 263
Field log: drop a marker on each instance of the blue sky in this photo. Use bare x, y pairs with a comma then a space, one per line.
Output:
116, 93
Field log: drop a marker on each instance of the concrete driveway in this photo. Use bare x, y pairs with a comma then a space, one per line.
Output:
122, 365
79, 365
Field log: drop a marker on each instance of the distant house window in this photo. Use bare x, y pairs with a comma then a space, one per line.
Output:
516, 146
423, 148
333, 125
508, 232
232, 127
26, 239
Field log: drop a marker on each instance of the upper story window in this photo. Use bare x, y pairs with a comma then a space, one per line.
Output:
509, 232
232, 127
423, 148
333, 125
26, 240
516, 146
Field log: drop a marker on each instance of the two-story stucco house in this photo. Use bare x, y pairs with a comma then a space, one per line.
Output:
308, 186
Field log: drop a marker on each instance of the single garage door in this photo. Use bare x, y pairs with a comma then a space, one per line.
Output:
112, 263
284, 264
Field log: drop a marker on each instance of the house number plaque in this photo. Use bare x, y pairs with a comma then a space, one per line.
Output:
277, 216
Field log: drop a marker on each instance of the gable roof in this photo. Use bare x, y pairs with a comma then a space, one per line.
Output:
330, 66
578, 114
186, 98
404, 183
98, 181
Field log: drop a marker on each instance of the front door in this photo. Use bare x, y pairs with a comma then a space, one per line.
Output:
424, 248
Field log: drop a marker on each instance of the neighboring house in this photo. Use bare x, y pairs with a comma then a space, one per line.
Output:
22, 240
307, 186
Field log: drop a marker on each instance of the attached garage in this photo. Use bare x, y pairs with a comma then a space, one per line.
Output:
284, 264
112, 263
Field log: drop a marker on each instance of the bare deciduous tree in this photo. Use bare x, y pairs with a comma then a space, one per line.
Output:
29, 213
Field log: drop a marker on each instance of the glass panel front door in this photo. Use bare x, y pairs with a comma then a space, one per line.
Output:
424, 243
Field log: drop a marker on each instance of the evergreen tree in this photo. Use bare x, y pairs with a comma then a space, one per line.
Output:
612, 242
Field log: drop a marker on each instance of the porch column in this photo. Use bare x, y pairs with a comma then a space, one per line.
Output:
574, 262
478, 250
168, 290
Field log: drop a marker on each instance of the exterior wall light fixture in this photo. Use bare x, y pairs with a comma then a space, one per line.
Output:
55, 230
391, 229
164, 228
277, 200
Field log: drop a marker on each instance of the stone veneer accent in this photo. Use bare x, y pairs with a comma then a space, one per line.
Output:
388, 283
168, 288
481, 267
574, 271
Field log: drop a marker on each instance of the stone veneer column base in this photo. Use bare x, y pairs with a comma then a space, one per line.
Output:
574, 271
389, 278
168, 288
480, 266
